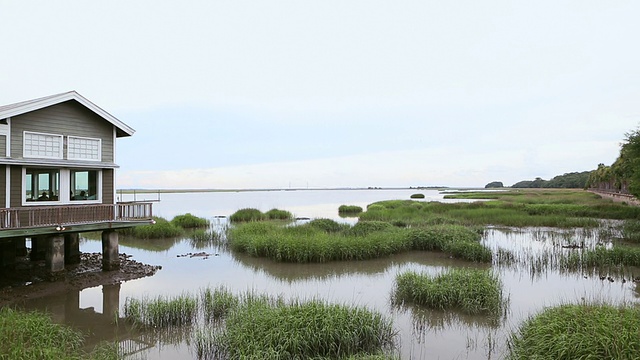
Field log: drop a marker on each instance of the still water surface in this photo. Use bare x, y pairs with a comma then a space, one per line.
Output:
423, 334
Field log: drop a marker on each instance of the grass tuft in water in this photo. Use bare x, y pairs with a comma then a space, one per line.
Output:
32, 335
305, 330
188, 221
585, 331
349, 209
276, 214
161, 312
160, 230
470, 290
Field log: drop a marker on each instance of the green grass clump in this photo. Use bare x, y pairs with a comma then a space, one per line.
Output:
246, 215
188, 221
327, 225
160, 230
585, 331
312, 242
601, 257
469, 290
276, 214
218, 302
631, 230
304, 330
161, 312
349, 209
417, 196
32, 335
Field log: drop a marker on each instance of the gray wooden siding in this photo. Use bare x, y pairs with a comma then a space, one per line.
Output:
107, 186
3, 146
69, 119
3, 186
16, 186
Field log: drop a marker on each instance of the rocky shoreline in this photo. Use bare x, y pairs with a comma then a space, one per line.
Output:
29, 279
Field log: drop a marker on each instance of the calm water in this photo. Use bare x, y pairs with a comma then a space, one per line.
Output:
423, 334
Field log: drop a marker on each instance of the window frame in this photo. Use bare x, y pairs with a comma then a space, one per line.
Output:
64, 191
24, 145
71, 138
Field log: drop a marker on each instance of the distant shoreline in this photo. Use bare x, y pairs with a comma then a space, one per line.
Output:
164, 191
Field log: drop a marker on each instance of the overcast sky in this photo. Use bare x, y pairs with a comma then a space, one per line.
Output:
261, 94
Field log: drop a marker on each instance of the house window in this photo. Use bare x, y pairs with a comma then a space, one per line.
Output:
42, 145
84, 185
42, 184
80, 148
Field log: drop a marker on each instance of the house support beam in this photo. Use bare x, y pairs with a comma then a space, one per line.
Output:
72, 248
7, 255
21, 246
54, 258
110, 256
38, 248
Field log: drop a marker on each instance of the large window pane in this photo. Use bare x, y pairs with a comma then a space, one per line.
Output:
84, 185
42, 184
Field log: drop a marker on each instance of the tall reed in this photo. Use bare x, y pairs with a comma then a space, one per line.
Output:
161, 312
189, 221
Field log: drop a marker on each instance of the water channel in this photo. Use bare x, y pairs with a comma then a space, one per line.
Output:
423, 334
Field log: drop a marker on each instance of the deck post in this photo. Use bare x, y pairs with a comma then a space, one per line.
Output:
72, 248
38, 248
110, 256
7, 255
21, 246
110, 300
54, 258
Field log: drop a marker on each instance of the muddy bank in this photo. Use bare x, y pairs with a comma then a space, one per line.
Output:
30, 279
629, 199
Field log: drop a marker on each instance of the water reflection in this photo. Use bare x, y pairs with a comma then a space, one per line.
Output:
531, 279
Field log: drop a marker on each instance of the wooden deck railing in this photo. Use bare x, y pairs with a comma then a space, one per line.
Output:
35, 216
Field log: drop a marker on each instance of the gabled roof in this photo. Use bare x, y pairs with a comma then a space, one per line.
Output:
23, 107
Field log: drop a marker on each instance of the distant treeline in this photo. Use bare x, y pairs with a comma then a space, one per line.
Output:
623, 176
573, 180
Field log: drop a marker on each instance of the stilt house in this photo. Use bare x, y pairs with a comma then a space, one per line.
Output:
57, 179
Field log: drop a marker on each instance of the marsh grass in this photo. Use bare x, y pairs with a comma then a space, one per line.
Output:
276, 214
251, 214
32, 335
631, 231
189, 221
541, 209
583, 331
349, 209
161, 312
602, 258
160, 230
253, 326
417, 196
305, 330
471, 291
366, 240
327, 225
